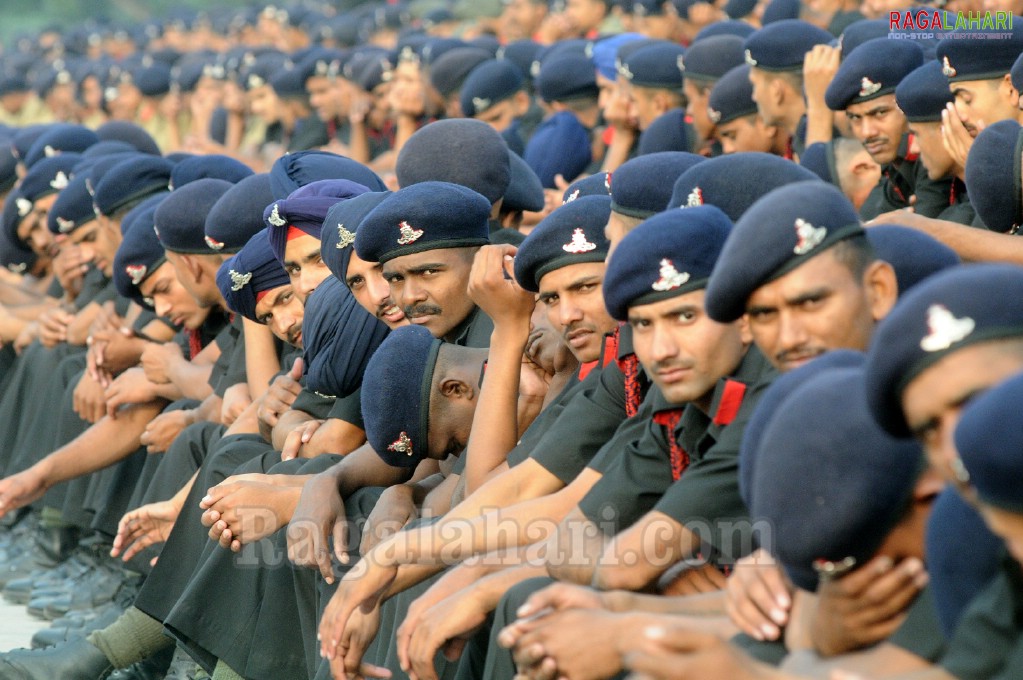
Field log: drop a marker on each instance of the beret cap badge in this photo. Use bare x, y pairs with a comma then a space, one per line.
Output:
715, 116
275, 218
239, 281
868, 87
944, 329
401, 445
24, 207
695, 198
408, 234
64, 225
213, 243
808, 237
481, 104
671, 278
572, 196
947, 68
749, 58
578, 244
345, 238
136, 272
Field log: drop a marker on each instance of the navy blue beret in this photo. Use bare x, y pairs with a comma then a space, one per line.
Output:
288, 82
48, 176
130, 180
872, 70
951, 310
989, 443
572, 234
153, 80
138, 256
711, 58
657, 66
8, 166
591, 185
735, 181
782, 45
339, 338
50, 77
861, 484
337, 238
1017, 73
567, 78
181, 217
10, 84
14, 254
25, 137
491, 82
732, 96
295, 170
396, 393
524, 192
560, 146
72, 209
125, 131
429, 49
263, 69
253, 270
522, 53
770, 403
450, 70
151, 201
923, 94
238, 214
859, 32
422, 217
100, 149
60, 138
604, 52
979, 59
734, 27
576, 47
666, 133
305, 209
642, 187
460, 151
16, 208
213, 165
369, 70
913, 254
993, 176
668, 255
778, 233
781, 10
737, 9
96, 168
819, 158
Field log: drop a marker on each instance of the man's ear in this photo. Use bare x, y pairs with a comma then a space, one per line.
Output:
883, 288
453, 388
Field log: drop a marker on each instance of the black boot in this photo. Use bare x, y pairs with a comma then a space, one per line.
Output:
74, 660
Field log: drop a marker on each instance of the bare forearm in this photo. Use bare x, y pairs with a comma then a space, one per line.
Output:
191, 380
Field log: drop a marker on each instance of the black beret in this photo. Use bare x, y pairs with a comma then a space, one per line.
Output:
668, 255
642, 187
48, 176
872, 70
735, 181
732, 96
666, 133
989, 445
431, 49
60, 138
253, 270
604, 52
560, 146
657, 66
153, 80
25, 137
124, 131
951, 310
782, 45
737, 9
460, 151
396, 394
72, 209
369, 70
131, 180
781, 10
100, 149
97, 168
14, 254
993, 176
181, 217
337, 238
305, 209
913, 254
923, 94
734, 27
1016, 73
422, 217
863, 479
567, 78
8, 167
771, 401
591, 185
522, 53
9, 84
288, 82
151, 201
138, 256
778, 233
450, 70
713, 57
572, 234
339, 338
859, 32
524, 192
212, 165
238, 214
295, 170
491, 82
979, 59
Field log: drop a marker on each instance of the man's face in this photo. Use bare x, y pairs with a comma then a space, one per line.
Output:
371, 290
430, 287
933, 400
879, 124
983, 101
747, 133
171, 300
323, 97
585, 15
304, 265
643, 101
683, 350
264, 104
98, 245
933, 154
282, 312
521, 19
33, 231
767, 106
816, 307
696, 108
204, 292
575, 307
499, 116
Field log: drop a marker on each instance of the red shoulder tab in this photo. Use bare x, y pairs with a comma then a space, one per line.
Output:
731, 400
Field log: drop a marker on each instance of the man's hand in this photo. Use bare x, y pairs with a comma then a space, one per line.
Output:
581, 644
89, 401
696, 580
954, 135
360, 591
393, 511
20, 489
677, 652
864, 606
319, 515
236, 400
347, 664
819, 68
298, 438
448, 625
26, 336
757, 597
281, 395
117, 350
69, 266
492, 286
144, 527
53, 325
131, 387
158, 360
164, 428
241, 511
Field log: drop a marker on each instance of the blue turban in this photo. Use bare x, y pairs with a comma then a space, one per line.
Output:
305, 209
